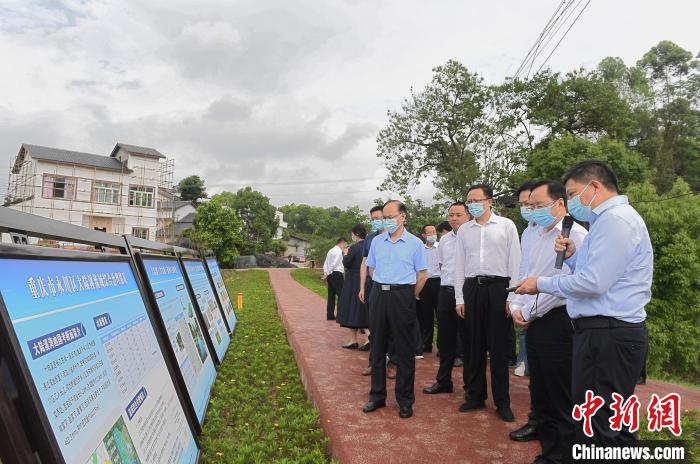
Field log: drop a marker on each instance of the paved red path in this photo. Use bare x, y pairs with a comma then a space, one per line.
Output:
437, 433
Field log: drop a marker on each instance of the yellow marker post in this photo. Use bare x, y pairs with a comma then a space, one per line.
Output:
240, 300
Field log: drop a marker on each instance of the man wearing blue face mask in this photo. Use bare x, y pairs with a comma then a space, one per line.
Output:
487, 260
427, 304
398, 269
549, 330
606, 293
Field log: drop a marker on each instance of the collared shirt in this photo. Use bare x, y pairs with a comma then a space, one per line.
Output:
613, 269
540, 262
334, 260
525, 248
365, 249
489, 250
446, 258
396, 262
431, 259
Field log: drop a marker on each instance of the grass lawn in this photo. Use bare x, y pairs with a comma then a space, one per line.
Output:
311, 279
258, 410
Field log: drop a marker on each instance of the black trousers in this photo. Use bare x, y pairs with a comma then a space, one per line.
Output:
549, 345
427, 309
607, 361
393, 313
335, 288
451, 328
487, 331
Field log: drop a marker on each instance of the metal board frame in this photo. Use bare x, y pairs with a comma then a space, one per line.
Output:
213, 284
49, 449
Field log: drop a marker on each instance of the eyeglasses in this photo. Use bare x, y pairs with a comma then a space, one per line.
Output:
533, 207
471, 202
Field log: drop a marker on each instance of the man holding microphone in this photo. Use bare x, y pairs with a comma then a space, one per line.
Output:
606, 293
549, 331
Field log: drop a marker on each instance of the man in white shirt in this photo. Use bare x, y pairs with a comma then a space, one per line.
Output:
427, 305
549, 329
487, 260
333, 275
449, 324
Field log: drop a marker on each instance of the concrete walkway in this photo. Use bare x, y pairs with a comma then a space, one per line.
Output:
437, 433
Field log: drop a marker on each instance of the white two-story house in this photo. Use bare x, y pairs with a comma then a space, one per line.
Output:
115, 193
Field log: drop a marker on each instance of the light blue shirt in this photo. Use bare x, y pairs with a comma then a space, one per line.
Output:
396, 262
613, 269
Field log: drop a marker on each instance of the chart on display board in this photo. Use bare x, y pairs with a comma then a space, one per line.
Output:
218, 279
208, 305
167, 282
91, 353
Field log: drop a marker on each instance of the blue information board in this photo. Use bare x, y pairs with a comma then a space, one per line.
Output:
94, 359
184, 332
206, 300
218, 279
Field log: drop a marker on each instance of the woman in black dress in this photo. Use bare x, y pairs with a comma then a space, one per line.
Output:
352, 313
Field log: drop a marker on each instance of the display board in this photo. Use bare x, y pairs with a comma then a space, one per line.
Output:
166, 281
218, 279
90, 355
208, 305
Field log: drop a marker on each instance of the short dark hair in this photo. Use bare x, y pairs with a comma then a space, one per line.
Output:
589, 170
459, 203
375, 208
402, 207
427, 225
555, 190
486, 188
444, 226
340, 240
359, 230
527, 185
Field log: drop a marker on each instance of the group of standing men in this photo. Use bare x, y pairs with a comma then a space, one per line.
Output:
584, 322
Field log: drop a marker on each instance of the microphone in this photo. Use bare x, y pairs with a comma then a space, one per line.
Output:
566, 226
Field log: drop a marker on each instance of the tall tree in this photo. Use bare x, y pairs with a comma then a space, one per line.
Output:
191, 188
216, 227
257, 216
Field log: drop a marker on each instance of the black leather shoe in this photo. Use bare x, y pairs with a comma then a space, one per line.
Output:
365, 347
471, 406
505, 413
437, 388
350, 346
525, 433
405, 412
373, 406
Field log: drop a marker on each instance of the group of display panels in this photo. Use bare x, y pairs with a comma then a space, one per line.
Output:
115, 364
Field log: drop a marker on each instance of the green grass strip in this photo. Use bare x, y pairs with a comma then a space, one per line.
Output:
258, 412
311, 279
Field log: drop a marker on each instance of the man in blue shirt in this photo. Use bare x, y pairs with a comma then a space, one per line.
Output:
606, 293
398, 268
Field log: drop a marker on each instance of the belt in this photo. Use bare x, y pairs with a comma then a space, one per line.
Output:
433, 278
448, 288
486, 280
603, 322
390, 287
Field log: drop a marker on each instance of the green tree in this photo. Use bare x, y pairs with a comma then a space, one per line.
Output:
216, 227
278, 247
257, 216
674, 311
191, 188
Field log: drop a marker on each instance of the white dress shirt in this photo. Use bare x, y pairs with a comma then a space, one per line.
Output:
431, 258
489, 250
525, 240
540, 262
334, 261
446, 258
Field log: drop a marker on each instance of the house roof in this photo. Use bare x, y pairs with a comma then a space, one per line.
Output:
188, 219
302, 239
69, 157
178, 204
134, 149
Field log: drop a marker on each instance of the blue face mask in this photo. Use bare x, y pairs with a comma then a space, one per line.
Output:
431, 238
377, 224
542, 217
476, 209
526, 213
390, 225
579, 211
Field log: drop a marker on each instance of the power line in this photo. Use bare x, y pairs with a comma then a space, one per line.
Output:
546, 26
668, 198
564, 36
565, 15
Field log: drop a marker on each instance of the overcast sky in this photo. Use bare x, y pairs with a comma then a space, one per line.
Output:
287, 96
